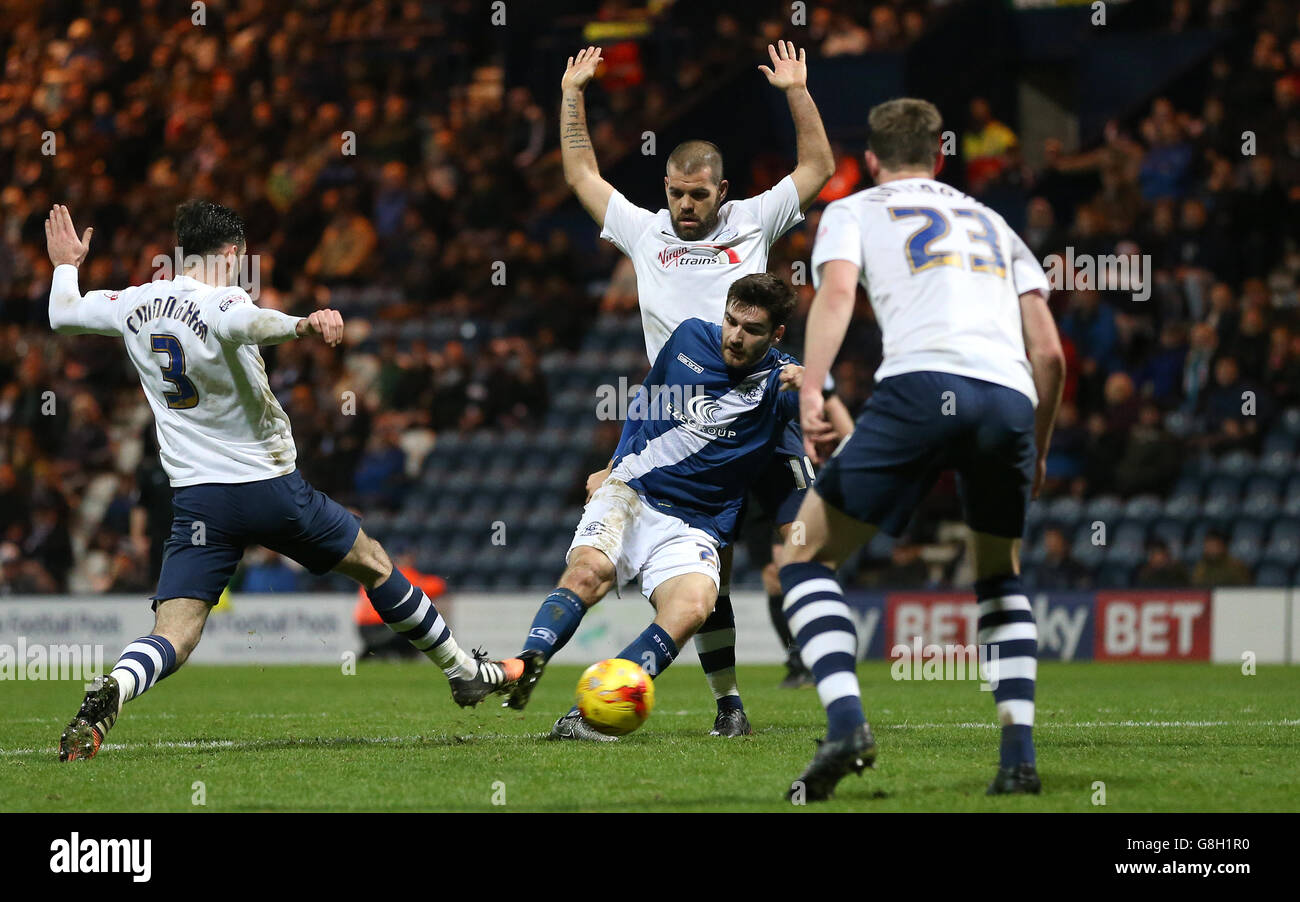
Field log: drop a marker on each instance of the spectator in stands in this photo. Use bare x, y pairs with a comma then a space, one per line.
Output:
1224, 315
1058, 570
1198, 366
20, 576
1167, 164
381, 472
1104, 450
1236, 410
886, 32
1282, 371
838, 33
1161, 571
1090, 324
346, 249
1159, 377
1251, 345
986, 147
1199, 247
1066, 457
1218, 568
1151, 460
49, 543
1287, 168
1041, 232
1122, 405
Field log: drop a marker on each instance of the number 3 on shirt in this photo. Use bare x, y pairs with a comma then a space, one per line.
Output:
185, 396
921, 257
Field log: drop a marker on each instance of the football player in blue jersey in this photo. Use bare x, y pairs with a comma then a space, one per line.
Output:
704, 425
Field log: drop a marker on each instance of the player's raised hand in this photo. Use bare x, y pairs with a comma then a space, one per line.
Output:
582, 68
818, 434
791, 377
61, 238
789, 66
328, 324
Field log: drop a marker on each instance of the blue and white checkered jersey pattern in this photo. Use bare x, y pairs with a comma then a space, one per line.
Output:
699, 432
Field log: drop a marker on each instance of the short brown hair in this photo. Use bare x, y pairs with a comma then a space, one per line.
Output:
690, 157
904, 132
764, 291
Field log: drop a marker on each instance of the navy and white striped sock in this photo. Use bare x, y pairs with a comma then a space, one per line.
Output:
411, 614
1007, 628
715, 643
141, 664
828, 642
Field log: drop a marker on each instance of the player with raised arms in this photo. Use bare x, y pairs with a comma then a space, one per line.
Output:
685, 257
712, 409
970, 381
228, 450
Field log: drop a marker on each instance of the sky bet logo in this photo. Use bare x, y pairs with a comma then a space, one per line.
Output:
103, 856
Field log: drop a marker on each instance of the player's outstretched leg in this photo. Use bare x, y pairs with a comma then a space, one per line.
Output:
683, 604
1008, 637
410, 613
587, 578
178, 624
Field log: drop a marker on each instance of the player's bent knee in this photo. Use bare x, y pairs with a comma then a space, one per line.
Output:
367, 562
589, 575
698, 609
685, 603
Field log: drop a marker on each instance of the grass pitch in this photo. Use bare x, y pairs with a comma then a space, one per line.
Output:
1161, 737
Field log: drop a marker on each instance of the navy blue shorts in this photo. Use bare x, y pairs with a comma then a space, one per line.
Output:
912, 429
213, 523
780, 489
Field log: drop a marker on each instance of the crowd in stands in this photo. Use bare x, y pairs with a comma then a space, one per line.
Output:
253, 110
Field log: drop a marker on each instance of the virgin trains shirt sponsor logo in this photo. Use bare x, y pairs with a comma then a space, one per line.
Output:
697, 255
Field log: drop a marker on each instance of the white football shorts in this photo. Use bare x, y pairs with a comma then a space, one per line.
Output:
642, 541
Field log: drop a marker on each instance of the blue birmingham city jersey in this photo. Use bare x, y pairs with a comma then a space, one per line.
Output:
700, 432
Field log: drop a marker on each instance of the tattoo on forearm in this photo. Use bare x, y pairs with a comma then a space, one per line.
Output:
574, 129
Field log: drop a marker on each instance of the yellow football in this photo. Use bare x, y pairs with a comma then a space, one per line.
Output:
615, 696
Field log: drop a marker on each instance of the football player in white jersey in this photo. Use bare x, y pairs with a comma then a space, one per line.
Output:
685, 257
228, 450
970, 381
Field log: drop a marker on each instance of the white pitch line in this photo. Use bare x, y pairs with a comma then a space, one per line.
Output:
1168, 724
324, 741
257, 744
